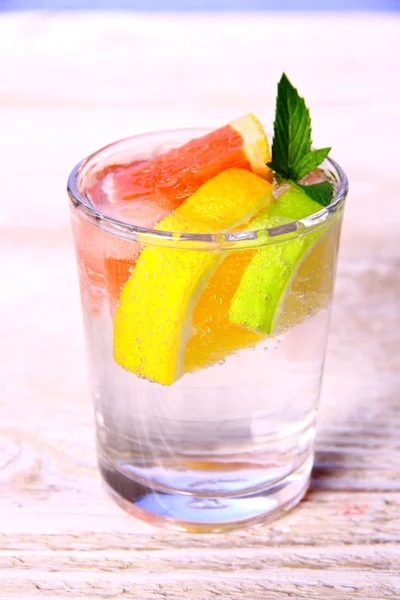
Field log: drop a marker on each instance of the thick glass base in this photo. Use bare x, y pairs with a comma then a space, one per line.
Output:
197, 514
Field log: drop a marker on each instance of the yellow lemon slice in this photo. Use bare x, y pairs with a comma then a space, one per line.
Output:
153, 320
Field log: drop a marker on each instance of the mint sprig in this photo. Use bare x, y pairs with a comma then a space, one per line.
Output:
292, 157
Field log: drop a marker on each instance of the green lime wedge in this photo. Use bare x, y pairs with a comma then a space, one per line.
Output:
257, 302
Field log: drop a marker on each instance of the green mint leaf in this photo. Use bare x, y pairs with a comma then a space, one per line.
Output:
319, 192
310, 162
292, 157
292, 130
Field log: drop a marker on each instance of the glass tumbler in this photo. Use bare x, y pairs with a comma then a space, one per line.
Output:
229, 441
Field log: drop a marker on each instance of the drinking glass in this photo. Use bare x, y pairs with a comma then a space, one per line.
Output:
230, 443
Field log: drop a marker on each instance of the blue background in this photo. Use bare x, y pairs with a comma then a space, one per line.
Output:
166, 5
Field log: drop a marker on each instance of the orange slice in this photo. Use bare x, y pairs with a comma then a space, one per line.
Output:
215, 336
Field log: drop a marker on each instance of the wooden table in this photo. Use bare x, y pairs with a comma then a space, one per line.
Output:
70, 83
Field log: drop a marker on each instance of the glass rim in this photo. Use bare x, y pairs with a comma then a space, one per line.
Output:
242, 239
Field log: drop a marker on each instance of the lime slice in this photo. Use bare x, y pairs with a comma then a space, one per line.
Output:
153, 320
257, 302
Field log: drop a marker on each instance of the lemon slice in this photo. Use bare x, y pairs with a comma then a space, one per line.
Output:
257, 302
153, 320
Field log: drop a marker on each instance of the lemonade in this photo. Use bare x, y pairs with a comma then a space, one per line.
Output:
206, 268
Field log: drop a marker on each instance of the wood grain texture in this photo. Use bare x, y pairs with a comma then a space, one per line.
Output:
70, 83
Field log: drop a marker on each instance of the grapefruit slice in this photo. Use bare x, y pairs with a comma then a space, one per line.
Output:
268, 277
153, 320
170, 178
105, 260
145, 192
